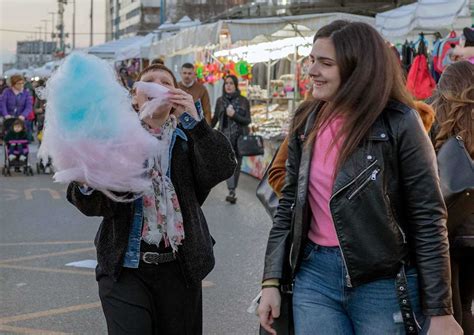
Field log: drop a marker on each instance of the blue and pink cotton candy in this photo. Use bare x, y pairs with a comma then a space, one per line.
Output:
92, 133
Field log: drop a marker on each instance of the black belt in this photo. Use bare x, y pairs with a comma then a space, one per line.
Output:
157, 258
408, 315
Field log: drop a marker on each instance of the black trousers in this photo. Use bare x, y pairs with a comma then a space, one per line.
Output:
151, 300
233, 181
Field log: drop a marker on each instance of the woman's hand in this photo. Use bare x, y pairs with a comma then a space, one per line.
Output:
230, 111
444, 325
182, 102
269, 308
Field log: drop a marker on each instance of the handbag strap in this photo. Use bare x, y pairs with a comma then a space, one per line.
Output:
406, 308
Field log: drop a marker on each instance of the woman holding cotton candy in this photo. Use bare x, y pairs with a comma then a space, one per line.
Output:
154, 252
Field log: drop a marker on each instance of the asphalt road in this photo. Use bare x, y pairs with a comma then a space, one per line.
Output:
40, 232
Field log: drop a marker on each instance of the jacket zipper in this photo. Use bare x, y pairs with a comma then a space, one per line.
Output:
291, 247
395, 220
348, 277
372, 177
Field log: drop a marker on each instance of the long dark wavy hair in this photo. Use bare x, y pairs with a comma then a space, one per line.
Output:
370, 76
454, 105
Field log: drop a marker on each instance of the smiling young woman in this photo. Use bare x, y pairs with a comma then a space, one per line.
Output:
360, 230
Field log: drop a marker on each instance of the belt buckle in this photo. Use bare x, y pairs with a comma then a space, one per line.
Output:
145, 254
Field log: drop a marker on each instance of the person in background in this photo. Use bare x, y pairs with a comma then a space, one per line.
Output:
16, 100
466, 51
158, 61
360, 229
3, 85
190, 85
16, 141
454, 106
232, 112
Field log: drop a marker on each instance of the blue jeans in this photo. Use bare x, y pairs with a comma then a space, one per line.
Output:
323, 304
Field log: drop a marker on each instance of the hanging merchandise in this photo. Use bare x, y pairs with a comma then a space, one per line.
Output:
214, 71
243, 69
199, 71
446, 50
419, 81
229, 68
436, 50
407, 55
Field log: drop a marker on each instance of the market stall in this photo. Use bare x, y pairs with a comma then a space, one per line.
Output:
268, 55
423, 16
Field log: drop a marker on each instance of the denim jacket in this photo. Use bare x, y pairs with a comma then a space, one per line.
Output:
132, 254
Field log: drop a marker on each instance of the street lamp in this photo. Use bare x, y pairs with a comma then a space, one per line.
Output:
41, 45
52, 25
45, 47
92, 24
45, 29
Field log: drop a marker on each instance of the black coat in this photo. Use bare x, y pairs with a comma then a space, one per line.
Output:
397, 216
197, 166
232, 127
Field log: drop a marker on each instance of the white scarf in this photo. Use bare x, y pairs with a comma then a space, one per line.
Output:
161, 210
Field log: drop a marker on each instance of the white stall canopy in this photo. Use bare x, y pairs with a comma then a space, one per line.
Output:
110, 50
134, 50
430, 15
251, 31
273, 28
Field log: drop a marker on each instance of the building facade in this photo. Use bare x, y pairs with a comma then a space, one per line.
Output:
34, 53
126, 18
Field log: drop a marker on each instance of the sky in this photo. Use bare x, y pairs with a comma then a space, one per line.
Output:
26, 15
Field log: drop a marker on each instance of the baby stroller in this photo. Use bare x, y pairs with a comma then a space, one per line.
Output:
19, 149
40, 166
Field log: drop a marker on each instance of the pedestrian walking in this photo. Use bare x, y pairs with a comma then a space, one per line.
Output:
454, 106
360, 230
232, 113
16, 100
154, 252
190, 85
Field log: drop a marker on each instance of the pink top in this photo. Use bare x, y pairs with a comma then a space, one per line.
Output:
321, 181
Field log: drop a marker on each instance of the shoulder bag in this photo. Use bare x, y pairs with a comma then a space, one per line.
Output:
250, 145
456, 172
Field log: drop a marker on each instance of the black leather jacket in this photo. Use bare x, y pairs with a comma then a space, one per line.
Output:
386, 205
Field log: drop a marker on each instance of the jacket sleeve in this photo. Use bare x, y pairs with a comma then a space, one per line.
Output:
277, 172
213, 159
243, 120
95, 204
217, 112
278, 244
206, 106
425, 212
28, 105
3, 104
